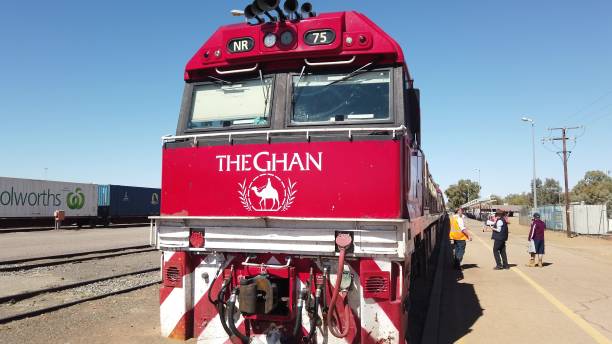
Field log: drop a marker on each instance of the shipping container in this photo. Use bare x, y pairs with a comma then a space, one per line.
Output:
39, 199
127, 204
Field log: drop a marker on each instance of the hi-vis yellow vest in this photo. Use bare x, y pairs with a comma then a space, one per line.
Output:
455, 231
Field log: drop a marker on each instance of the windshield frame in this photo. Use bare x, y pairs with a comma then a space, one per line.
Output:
187, 105
289, 122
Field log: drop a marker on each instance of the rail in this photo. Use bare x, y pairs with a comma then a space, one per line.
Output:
307, 132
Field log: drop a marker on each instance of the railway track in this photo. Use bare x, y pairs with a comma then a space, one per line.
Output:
24, 305
85, 270
45, 261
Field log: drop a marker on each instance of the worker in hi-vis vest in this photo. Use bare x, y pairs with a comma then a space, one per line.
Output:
458, 234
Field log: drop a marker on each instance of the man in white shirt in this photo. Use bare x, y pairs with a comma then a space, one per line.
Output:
499, 236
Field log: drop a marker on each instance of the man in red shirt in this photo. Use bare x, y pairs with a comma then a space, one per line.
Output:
536, 234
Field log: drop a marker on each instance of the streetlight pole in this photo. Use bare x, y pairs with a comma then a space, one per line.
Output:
535, 191
479, 189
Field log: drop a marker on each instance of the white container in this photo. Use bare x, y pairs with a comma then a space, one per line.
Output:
27, 198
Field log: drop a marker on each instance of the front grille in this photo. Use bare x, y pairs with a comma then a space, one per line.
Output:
376, 284
173, 277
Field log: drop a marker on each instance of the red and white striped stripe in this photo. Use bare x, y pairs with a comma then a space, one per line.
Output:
373, 321
176, 303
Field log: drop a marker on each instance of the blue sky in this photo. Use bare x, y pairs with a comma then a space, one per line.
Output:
88, 88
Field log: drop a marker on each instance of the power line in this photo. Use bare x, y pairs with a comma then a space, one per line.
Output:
603, 96
599, 118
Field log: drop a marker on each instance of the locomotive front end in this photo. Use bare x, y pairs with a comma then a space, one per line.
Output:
288, 214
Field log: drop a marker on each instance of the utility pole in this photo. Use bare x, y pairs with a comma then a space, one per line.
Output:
564, 138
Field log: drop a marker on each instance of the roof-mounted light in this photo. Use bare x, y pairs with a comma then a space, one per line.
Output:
269, 40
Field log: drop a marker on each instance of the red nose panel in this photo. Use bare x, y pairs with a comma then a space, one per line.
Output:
317, 179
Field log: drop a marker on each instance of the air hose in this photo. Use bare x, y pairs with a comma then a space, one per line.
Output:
221, 307
214, 302
231, 309
343, 241
298, 319
313, 322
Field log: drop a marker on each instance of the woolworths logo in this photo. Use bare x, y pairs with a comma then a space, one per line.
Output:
76, 199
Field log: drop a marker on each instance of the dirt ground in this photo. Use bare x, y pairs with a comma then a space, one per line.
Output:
568, 300
131, 318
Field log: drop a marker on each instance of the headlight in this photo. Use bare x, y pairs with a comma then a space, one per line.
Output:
270, 40
286, 38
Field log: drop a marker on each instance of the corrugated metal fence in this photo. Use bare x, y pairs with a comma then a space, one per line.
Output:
585, 219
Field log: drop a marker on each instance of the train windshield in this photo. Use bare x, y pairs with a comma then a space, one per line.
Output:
341, 97
225, 104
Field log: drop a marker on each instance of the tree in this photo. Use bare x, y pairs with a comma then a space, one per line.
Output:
519, 199
497, 199
594, 188
464, 191
549, 193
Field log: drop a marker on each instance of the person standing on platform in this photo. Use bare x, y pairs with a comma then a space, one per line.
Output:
536, 234
499, 236
458, 234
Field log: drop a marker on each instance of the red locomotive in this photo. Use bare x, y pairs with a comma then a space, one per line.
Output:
297, 204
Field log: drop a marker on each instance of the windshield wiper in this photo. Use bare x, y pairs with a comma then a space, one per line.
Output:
266, 90
297, 85
351, 74
219, 81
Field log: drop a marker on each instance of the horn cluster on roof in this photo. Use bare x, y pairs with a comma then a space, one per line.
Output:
260, 9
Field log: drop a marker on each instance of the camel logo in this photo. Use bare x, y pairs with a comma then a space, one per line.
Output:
267, 192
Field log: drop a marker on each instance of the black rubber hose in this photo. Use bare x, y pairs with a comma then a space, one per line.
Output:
212, 284
315, 316
221, 308
231, 309
298, 320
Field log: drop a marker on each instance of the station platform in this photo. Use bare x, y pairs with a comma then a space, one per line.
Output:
566, 301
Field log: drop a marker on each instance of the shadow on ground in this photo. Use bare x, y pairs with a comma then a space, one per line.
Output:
460, 307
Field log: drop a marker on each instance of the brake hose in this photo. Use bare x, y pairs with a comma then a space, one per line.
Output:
343, 241
231, 309
214, 302
221, 307
298, 319
315, 315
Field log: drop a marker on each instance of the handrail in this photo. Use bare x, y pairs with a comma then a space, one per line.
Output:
330, 63
308, 132
269, 266
236, 71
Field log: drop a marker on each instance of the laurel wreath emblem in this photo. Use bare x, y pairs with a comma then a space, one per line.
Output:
290, 192
290, 196
243, 192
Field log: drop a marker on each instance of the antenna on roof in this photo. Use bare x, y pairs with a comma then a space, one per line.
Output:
249, 13
291, 7
269, 5
307, 8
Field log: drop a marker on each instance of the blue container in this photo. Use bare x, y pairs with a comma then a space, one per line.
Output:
131, 201
103, 195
